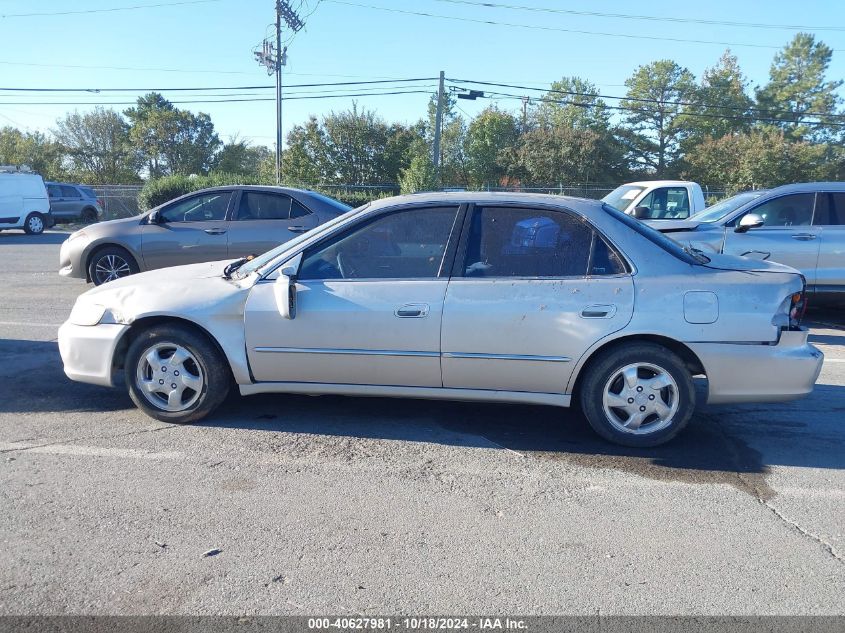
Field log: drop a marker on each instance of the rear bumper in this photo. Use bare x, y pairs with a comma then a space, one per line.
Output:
760, 373
88, 351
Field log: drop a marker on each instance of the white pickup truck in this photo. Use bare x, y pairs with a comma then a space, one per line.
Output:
658, 199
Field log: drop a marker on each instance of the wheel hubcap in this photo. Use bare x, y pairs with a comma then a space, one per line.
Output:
169, 377
640, 398
35, 224
111, 267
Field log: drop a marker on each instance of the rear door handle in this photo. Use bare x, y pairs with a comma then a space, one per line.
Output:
297, 229
215, 231
804, 237
412, 311
599, 312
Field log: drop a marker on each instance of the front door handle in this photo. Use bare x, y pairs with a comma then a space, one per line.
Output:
297, 229
412, 311
804, 237
215, 231
599, 312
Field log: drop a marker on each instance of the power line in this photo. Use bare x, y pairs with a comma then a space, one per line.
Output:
757, 25
250, 100
643, 100
749, 119
109, 10
194, 89
552, 28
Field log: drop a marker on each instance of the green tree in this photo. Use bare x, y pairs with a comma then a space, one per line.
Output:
96, 147
764, 157
572, 102
721, 103
653, 103
420, 174
239, 157
169, 140
490, 134
33, 149
798, 92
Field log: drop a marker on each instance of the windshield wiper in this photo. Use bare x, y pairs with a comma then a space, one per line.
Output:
233, 266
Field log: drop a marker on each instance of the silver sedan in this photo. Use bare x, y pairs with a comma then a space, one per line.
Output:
466, 296
203, 226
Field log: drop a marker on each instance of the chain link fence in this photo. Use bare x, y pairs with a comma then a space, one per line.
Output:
118, 201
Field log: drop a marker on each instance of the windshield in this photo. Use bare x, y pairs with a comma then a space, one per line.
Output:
670, 246
262, 260
721, 209
622, 196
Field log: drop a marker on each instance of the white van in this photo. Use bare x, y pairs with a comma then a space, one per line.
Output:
658, 199
24, 203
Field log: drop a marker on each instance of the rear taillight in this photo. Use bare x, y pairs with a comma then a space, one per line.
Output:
798, 306
100, 202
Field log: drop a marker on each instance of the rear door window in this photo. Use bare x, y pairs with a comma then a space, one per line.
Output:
830, 209
69, 192
524, 242
259, 205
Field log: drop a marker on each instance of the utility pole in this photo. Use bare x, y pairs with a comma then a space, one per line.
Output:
272, 56
438, 123
524, 112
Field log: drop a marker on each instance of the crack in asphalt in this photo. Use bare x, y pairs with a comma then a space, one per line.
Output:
90, 437
763, 499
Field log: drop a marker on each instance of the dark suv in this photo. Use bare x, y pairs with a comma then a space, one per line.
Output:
69, 203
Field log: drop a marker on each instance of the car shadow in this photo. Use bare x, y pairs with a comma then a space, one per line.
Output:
733, 445
18, 237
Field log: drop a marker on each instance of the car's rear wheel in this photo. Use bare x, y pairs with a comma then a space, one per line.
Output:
34, 224
89, 215
175, 374
110, 263
638, 395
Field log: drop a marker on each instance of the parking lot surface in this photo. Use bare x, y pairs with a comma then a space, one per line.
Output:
302, 505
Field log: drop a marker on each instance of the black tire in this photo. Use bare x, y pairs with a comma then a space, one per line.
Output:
111, 258
34, 224
89, 215
206, 361
603, 376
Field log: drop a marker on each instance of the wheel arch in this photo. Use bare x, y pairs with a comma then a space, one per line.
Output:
145, 323
95, 248
691, 360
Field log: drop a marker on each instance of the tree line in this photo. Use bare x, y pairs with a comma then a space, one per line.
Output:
716, 129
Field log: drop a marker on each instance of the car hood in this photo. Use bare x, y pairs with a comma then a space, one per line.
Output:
746, 264
111, 227
667, 226
195, 291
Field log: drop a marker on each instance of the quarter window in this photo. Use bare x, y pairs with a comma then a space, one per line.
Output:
518, 242
206, 207
401, 245
830, 209
666, 203
792, 210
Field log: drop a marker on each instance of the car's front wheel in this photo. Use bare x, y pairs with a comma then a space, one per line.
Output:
175, 374
640, 394
34, 224
110, 263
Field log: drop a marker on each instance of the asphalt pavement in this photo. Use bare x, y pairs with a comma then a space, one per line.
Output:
303, 505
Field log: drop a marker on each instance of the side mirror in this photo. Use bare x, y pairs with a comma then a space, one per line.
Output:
749, 221
642, 213
154, 218
285, 288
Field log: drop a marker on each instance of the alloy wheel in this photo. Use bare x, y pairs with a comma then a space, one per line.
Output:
640, 398
111, 267
169, 377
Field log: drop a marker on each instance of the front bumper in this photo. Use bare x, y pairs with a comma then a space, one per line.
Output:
70, 261
88, 351
739, 373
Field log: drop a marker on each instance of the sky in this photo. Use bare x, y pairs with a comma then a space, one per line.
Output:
210, 43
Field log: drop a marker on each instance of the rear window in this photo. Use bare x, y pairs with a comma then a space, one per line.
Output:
654, 236
331, 202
